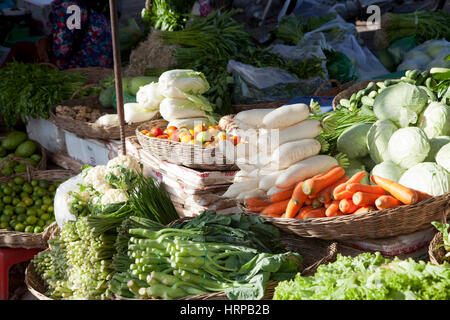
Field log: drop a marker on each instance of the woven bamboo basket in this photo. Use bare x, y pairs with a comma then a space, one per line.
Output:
347, 93
188, 155
333, 91
42, 164
90, 130
372, 225
14, 239
435, 250
314, 252
93, 74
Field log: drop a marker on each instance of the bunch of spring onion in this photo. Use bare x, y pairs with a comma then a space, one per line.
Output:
182, 260
424, 25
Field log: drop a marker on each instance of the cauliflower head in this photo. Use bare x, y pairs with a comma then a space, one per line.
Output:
114, 196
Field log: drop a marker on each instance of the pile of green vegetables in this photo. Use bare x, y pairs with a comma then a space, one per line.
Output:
370, 277
79, 264
207, 44
32, 89
167, 15
235, 254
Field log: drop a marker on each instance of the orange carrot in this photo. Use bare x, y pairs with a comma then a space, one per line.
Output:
316, 203
355, 187
346, 206
362, 199
356, 178
272, 215
303, 211
296, 202
282, 195
308, 202
332, 208
404, 194
326, 205
315, 213
251, 202
336, 214
364, 209
325, 195
343, 195
386, 202
316, 184
277, 208
423, 195
255, 209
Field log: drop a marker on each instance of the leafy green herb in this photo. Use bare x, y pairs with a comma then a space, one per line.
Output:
444, 229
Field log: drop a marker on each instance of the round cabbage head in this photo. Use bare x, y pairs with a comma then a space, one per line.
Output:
354, 167
435, 145
388, 170
435, 120
352, 141
443, 157
378, 139
408, 147
427, 177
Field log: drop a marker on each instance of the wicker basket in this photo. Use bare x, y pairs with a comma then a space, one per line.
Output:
372, 225
179, 153
90, 130
333, 91
347, 93
435, 250
93, 74
14, 239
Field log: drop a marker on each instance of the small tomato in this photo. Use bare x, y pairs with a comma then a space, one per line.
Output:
156, 131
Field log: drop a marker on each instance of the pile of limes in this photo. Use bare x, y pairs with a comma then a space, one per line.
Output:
27, 206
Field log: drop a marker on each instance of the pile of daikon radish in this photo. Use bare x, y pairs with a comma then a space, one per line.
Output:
276, 160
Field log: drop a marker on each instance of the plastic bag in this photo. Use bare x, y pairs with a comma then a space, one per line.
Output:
427, 55
62, 208
256, 85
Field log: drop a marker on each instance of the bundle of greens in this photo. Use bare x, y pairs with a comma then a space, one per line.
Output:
167, 15
423, 25
444, 228
32, 89
236, 254
370, 277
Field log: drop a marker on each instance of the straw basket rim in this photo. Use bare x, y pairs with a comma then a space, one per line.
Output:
435, 253
370, 225
345, 94
181, 153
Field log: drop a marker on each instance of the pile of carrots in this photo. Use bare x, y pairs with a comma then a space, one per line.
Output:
334, 194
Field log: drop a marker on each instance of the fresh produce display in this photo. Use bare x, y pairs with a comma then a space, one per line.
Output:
199, 135
80, 113
444, 229
27, 206
17, 144
370, 277
235, 254
167, 15
32, 89
79, 266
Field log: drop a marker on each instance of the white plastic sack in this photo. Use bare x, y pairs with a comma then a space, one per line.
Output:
427, 55
62, 209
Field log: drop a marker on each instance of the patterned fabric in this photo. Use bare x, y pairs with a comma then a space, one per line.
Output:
90, 46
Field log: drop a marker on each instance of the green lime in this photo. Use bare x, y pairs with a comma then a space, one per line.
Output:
50, 209
4, 218
19, 180
51, 188
23, 195
47, 200
28, 201
19, 227
36, 157
15, 201
1, 193
44, 207
11, 184
45, 216
41, 223
4, 225
31, 211
41, 192
20, 210
21, 217
34, 183
38, 202
2, 205
31, 220
7, 190
39, 212
29, 229
17, 189
43, 184
27, 187
21, 204
37, 229
7, 199
8, 210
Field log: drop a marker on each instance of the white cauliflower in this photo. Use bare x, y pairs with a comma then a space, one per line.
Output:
114, 196
125, 161
103, 188
94, 175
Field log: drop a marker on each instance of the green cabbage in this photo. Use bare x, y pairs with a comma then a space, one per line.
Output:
389, 170
352, 141
427, 177
443, 157
435, 120
354, 167
401, 103
175, 83
378, 139
408, 147
435, 145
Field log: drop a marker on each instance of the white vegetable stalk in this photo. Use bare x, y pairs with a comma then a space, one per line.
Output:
134, 112
174, 108
236, 189
175, 83
108, 119
253, 117
285, 116
149, 97
292, 152
255, 194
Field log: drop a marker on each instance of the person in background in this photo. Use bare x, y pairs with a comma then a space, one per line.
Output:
88, 46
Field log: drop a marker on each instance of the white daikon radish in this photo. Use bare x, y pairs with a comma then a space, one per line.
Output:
174, 108
256, 194
254, 174
286, 116
134, 112
268, 181
274, 190
252, 117
260, 160
306, 129
305, 169
238, 179
295, 151
236, 189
